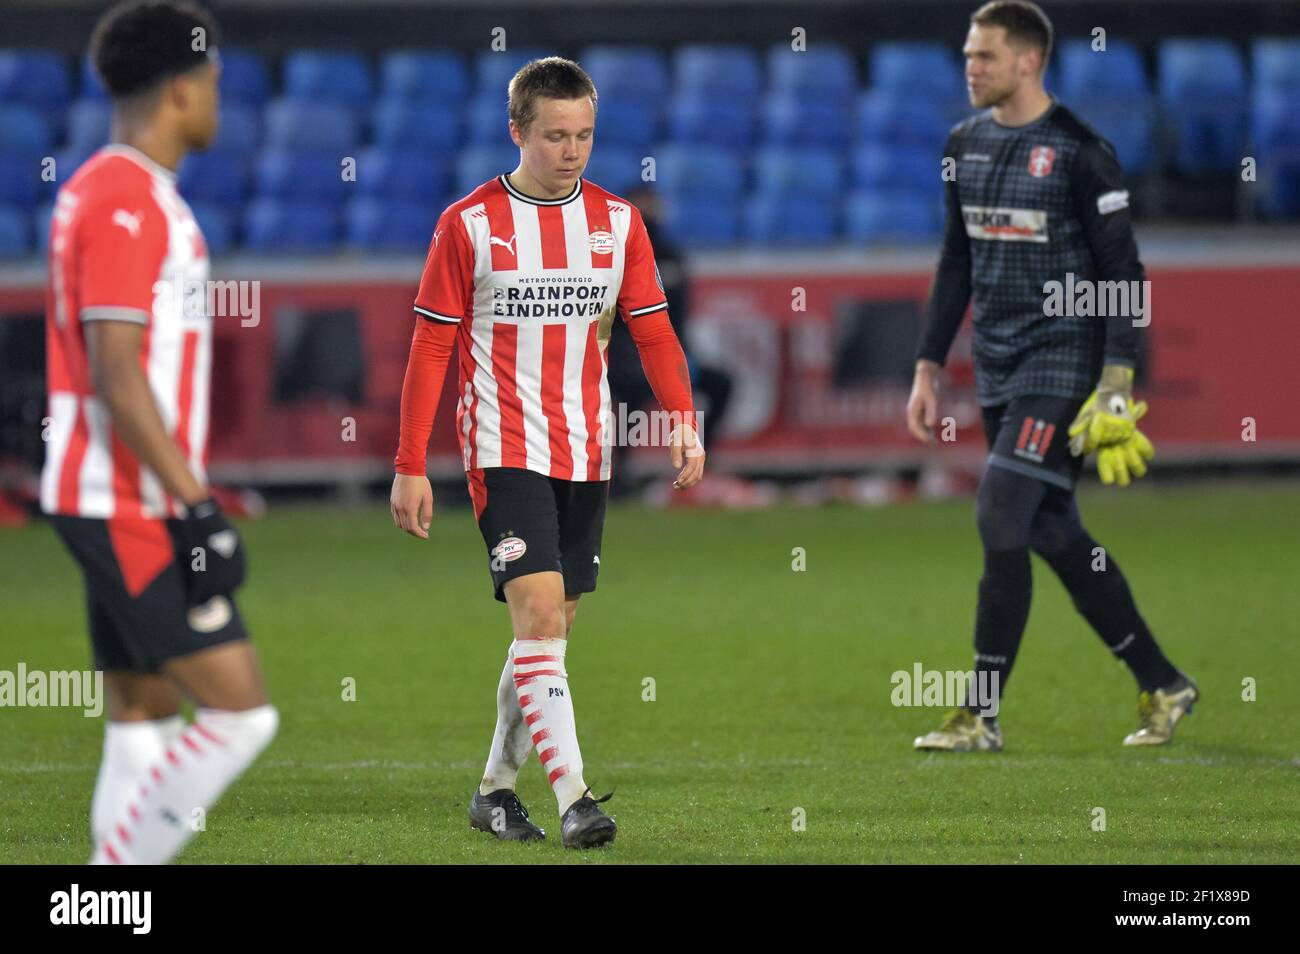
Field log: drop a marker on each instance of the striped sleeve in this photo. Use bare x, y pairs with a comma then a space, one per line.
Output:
642, 291
447, 283
122, 241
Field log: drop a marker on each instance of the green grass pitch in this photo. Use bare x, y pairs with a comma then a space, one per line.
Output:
772, 692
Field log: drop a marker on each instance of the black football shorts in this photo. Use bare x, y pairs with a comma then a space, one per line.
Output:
1030, 435
135, 594
532, 523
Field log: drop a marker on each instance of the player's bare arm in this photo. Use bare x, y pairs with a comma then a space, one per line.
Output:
114, 352
923, 404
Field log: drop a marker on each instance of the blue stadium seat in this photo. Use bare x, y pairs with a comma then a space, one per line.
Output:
1202, 87
24, 127
37, 78
477, 164
792, 120
486, 122
298, 124
714, 171
20, 178
402, 174
425, 76
240, 129
88, 123
1275, 121
615, 169
892, 215
1196, 69
244, 78
824, 71
637, 73
494, 70
626, 122
43, 219
214, 177
1279, 176
920, 70
425, 125
810, 172
785, 220
1276, 64
301, 175
390, 226
1129, 126
277, 225
315, 75
217, 223
705, 120
66, 163
702, 221
727, 73
882, 116
1088, 74
15, 233
880, 166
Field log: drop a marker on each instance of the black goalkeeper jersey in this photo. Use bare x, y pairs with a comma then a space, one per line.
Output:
1030, 205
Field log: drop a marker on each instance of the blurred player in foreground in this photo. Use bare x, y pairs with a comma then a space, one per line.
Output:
129, 355
1038, 198
527, 274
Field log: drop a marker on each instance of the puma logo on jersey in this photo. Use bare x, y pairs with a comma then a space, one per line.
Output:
128, 221
509, 246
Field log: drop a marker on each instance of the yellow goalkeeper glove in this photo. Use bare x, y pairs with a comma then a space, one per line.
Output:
1107, 424
1117, 462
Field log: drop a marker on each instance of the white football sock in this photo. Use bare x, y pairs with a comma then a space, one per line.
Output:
130, 750
543, 689
510, 742
193, 773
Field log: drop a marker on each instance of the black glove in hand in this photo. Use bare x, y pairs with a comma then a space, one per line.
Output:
213, 559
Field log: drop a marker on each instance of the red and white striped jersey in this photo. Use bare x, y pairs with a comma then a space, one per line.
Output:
124, 246
535, 285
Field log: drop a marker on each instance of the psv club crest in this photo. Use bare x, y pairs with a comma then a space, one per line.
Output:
1040, 161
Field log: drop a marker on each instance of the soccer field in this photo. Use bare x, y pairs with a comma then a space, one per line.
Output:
771, 692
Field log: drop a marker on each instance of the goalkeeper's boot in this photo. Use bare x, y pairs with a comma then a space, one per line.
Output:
963, 731
584, 825
503, 814
1159, 712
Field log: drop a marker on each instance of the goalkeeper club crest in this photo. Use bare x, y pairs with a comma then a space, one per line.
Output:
1040, 161
1035, 437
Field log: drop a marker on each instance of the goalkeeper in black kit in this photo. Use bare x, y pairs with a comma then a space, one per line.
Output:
1037, 207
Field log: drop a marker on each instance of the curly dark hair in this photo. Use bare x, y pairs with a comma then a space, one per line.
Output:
138, 44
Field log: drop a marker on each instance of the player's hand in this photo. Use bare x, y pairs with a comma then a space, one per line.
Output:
1110, 415
214, 562
923, 405
687, 455
411, 503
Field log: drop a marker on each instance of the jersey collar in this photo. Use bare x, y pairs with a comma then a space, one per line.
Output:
138, 157
522, 197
